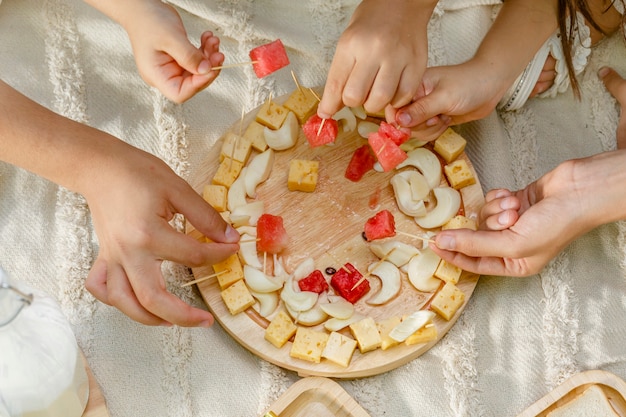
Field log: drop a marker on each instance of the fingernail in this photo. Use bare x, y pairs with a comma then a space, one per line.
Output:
507, 203
204, 67
503, 219
166, 324
445, 242
432, 121
404, 119
231, 234
602, 72
323, 115
206, 323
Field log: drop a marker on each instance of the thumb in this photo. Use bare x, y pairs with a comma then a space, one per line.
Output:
421, 110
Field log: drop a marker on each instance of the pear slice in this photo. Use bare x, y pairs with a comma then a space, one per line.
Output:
426, 162
267, 302
311, 317
404, 196
421, 270
257, 171
334, 324
394, 251
304, 269
259, 281
389, 275
286, 136
346, 118
341, 308
359, 112
248, 214
411, 324
447, 206
365, 128
236, 196
247, 251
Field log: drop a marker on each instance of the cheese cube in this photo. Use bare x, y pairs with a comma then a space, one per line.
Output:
271, 115
384, 327
339, 349
303, 103
366, 334
450, 145
236, 147
194, 233
447, 301
216, 195
227, 172
237, 297
308, 344
459, 174
254, 133
460, 222
280, 329
447, 272
303, 175
228, 271
425, 334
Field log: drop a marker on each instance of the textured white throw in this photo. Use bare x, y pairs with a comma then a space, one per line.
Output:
517, 338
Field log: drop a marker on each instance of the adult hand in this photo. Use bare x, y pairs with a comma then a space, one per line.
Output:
522, 231
616, 85
132, 201
380, 57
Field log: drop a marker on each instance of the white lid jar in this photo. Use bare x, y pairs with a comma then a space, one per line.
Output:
41, 369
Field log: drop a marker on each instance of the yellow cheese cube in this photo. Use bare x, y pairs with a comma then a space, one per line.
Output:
280, 329
447, 272
227, 172
459, 174
271, 115
228, 271
216, 195
460, 222
384, 327
308, 344
303, 103
339, 349
450, 145
254, 133
236, 147
426, 334
447, 301
366, 334
237, 297
303, 175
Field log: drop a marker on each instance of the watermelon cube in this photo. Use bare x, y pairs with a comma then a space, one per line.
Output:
317, 137
362, 161
269, 58
397, 135
343, 281
380, 226
389, 154
314, 282
271, 234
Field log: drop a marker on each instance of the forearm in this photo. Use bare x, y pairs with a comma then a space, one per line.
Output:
47, 144
518, 32
122, 11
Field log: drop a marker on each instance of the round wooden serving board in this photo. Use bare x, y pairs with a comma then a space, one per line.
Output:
327, 225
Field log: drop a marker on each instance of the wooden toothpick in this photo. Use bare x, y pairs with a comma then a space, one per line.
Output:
336, 260
196, 281
368, 273
240, 64
315, 94
321, 126
425, 239
295, 80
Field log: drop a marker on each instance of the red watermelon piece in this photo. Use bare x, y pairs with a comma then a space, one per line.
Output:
362, 161
271, 234
314, 282
389, 154
269, 58
382, 225
397, 135
343, 281
317, 137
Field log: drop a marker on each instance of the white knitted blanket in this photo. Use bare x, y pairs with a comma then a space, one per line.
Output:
517, 338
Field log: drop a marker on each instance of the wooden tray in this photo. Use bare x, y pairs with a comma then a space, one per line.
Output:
613, 387
96, 405
327, 225
316, 396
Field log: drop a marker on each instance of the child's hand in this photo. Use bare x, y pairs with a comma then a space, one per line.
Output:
164, 55
132, 199
500, 210
380, 58
616, 85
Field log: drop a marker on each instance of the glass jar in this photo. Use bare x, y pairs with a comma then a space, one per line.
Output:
42, 373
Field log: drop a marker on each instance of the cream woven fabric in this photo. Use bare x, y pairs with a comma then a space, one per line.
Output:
516, 340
